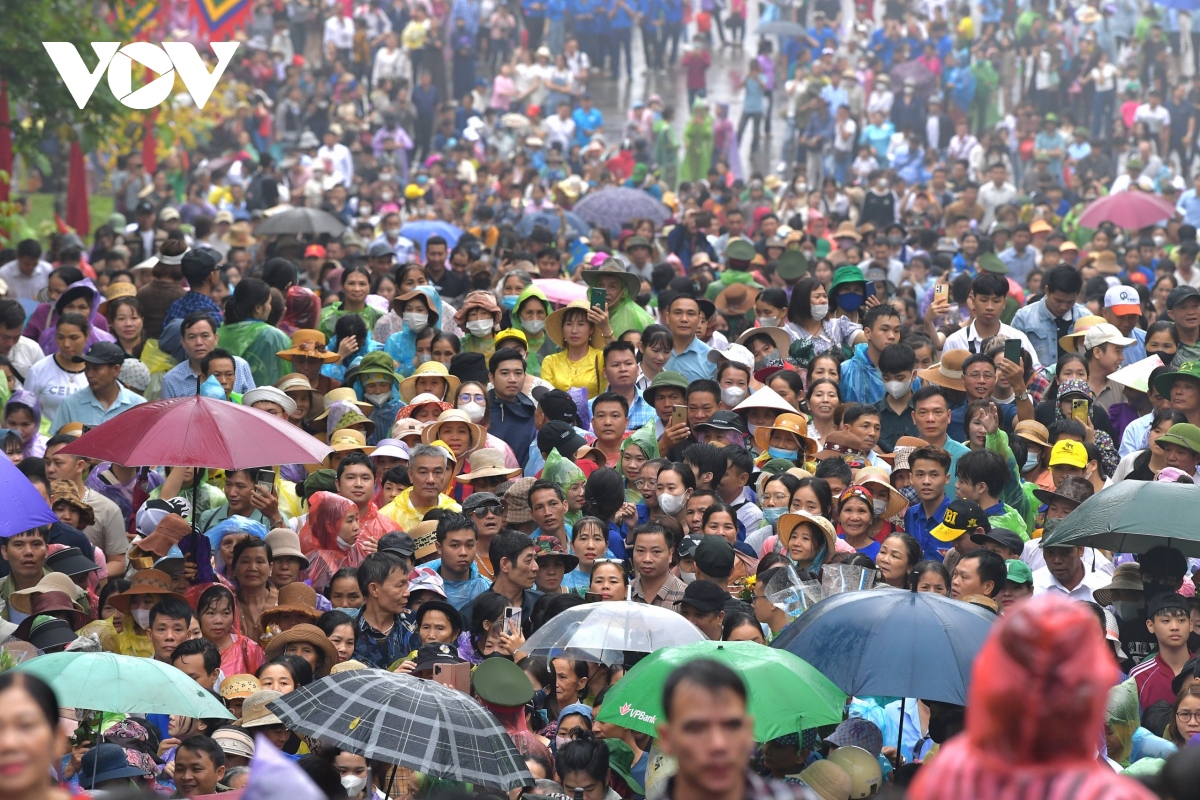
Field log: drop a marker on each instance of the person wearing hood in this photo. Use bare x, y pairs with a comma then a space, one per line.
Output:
23, 414
80, 298
416, 310
530, 319
697, 143
621, 289
480, 318
374, 381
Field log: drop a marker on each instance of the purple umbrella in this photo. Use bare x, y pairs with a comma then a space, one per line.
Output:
613, 207
24, 507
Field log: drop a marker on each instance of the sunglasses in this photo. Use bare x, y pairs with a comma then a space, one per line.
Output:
485, 510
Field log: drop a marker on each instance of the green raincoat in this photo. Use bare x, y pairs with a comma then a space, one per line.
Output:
666, 153
540, 345
983, 107
727, 278
257, 342
563, 472
331, 312
627, 315
1123, 717
698, 147
643, 438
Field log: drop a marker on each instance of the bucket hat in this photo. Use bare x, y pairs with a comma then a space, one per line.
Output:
309, 343
434, 369
302, 634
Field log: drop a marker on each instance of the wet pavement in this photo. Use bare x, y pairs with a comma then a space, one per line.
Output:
614, 98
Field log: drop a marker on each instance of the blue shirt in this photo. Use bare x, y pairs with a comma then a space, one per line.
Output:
956, 451
460, 593
84, 407
1137, 351
181, 382
870, 551
1020, 265
1036, 322
672, 11
379, 650
1189, 205
918, 525
693, 362
587, 123
621, 20
862, 382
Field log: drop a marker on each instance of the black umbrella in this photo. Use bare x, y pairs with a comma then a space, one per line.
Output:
301, 222
409, 722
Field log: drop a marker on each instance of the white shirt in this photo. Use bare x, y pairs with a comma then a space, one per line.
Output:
560, 130
340, 162
24, 354
402, 247
51, 384
1045, 583
1155, 118
22, 286
340, 31
968, 339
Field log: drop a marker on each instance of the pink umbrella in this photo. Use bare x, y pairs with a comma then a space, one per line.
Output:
1131, 210
561, 292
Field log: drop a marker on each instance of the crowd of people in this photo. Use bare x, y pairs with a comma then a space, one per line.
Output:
897, 368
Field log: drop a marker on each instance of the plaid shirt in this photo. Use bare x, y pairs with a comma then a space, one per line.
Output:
379, 650
194, 301
667, 597
1038, 385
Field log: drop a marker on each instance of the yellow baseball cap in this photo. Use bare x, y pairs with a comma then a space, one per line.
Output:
1070, 453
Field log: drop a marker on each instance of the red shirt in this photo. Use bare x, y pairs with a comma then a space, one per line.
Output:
1153, 677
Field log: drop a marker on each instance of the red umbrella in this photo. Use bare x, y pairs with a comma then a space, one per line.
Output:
198, 432
1131, 210
78, 215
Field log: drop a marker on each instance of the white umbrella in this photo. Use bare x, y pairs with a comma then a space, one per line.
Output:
605, 631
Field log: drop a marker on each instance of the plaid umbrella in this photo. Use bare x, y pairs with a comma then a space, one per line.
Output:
409, 722
613, 207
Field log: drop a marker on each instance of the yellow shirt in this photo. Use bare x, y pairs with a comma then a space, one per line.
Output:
588, 372
401, 511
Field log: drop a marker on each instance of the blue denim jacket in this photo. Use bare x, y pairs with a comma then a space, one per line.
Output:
1038, 324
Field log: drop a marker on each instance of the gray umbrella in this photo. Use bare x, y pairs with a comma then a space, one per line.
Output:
782, 27
301, 222
613, 207
549, 220
409, 722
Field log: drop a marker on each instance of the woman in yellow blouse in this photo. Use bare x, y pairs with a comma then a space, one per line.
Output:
582, 331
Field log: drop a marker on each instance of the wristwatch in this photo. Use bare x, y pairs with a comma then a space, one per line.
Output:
1023, 396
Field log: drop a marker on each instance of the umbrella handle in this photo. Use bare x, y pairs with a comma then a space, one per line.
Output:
900, 734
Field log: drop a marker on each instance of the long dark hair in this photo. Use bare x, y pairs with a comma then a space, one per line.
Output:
249, 295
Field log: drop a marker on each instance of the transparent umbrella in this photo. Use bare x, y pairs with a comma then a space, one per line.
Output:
605, 631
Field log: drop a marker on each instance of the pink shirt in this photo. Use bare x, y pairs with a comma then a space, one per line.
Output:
503, 90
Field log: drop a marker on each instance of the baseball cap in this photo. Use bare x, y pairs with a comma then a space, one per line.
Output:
1123, 300
705, 596
1105, 333
314, 251
1181, 293
435, 653
1166, 601
559, 436
558, 406
476, 499
198, 263
397, 542
380, 250
1019, 571
725, 421
961, 516
688, 545
109, 353
1001, 536
1070, 453
715, 556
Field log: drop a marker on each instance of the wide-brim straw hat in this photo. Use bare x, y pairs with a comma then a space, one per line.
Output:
1070, 342
947, 373
876, 479
343, 395
792, 423
1033, 432
779, 336
307, 342
350, 439
615, 268
238, 686
295, 598
554, 325
255, 713
423, 399
304, 634
1127, 577
114, 291
789, 521
54, 582
488, 463
433, 433
430, 369
146, 581
295, 382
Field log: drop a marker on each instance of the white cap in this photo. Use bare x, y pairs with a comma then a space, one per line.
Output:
1123, 300
1104, 333
737, 353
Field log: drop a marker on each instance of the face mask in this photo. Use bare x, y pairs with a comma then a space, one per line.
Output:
896, 389
880, 506
378, 399
779, 452
767, 322
1127, 609
561, 741
392, 233
1159, 241
881, 185
509, 301
642, 299
142, 617
415, 321
671, 504
353, 784
772, 515
752, 428
386, 197
480, 327
474, 411
819, 312
534, 326
1031, 461
850, 302
424, 357
687, 577
732, 395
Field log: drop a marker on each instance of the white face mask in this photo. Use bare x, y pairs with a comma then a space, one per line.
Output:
473, 410
393, 233
880, 507
1159, 241
142, 617
378, 399
819, 312
353, 785
732, 395
671, 504
534, 326
768, 322
480, 327
896, 389
416, 321
687, 577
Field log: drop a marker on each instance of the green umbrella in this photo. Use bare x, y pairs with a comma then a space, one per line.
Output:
109, 682
786, 694
1132, 517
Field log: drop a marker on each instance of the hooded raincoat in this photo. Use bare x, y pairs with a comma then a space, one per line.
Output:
97, 325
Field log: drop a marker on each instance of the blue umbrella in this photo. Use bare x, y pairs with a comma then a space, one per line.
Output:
549, 220
1182, 5
419, 232
24, 507
891, 643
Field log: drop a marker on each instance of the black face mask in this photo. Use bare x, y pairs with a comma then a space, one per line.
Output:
642, 299
943, 726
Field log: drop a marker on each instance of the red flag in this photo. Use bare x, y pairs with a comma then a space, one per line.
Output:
6, 152
150, 143
78, 216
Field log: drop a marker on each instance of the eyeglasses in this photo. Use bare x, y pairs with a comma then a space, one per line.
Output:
1187, 716
484, 510
646, 483
616, 561
472, 398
